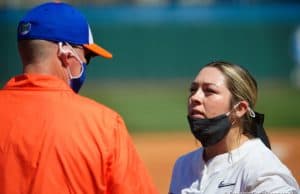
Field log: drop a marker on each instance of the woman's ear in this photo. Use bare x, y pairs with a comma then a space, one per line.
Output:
241, 108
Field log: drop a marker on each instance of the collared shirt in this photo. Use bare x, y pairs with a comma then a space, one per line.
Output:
251, 168
53, 141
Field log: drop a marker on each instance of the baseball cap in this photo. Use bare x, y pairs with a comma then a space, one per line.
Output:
59, 22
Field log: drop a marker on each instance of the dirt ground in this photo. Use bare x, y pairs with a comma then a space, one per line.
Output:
160, 150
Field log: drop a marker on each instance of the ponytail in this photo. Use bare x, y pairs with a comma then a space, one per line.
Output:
258, 129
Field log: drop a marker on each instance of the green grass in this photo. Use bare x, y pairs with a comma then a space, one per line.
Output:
144, 106
281, 104
161, 105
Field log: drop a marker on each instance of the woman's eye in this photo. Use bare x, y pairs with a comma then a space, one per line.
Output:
193, 90
209, 91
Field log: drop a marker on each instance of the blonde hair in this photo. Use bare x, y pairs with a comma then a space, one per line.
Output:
242, 86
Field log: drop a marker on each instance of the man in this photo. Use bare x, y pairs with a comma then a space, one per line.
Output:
52, 140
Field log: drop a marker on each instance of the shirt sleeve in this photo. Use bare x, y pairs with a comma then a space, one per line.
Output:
273, 177
128, 173
274, 183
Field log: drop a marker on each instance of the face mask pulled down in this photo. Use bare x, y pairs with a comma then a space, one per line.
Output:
210, 131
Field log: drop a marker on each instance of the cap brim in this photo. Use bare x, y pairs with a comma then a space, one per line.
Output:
97, 50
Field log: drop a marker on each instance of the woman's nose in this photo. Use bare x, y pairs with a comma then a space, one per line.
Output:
197, 97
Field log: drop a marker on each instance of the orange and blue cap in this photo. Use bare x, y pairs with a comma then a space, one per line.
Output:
59, 22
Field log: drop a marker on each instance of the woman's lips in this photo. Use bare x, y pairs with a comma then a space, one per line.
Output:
197, 114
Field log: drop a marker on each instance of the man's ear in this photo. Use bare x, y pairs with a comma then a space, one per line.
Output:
64, 54
241, 108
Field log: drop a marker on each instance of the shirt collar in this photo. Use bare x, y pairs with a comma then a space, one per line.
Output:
225, 160
36, 82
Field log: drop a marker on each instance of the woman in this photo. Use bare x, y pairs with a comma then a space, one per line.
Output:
236, 155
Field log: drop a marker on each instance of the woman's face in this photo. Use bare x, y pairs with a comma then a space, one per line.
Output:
209, 96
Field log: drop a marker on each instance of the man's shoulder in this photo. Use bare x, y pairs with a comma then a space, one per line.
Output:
91, 105
94, 113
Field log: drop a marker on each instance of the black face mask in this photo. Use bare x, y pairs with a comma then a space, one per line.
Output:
210, 131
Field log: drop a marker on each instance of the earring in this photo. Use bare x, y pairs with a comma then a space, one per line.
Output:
251, 112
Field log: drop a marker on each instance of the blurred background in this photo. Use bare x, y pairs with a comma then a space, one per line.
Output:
160, 45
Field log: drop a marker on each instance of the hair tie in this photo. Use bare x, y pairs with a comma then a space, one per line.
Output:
258, 121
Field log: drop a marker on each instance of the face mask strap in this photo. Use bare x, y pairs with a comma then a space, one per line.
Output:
74, 53
234, 107
257, 125
60, 48
250, 111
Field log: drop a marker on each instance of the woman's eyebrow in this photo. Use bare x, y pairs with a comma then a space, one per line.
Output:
211, 84
194, 83
206, 83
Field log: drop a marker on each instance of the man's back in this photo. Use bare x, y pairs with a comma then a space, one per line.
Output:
55, 141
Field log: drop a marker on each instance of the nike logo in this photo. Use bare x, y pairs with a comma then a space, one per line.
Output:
222, 184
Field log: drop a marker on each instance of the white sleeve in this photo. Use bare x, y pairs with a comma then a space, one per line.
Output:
269, 175
274, 183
